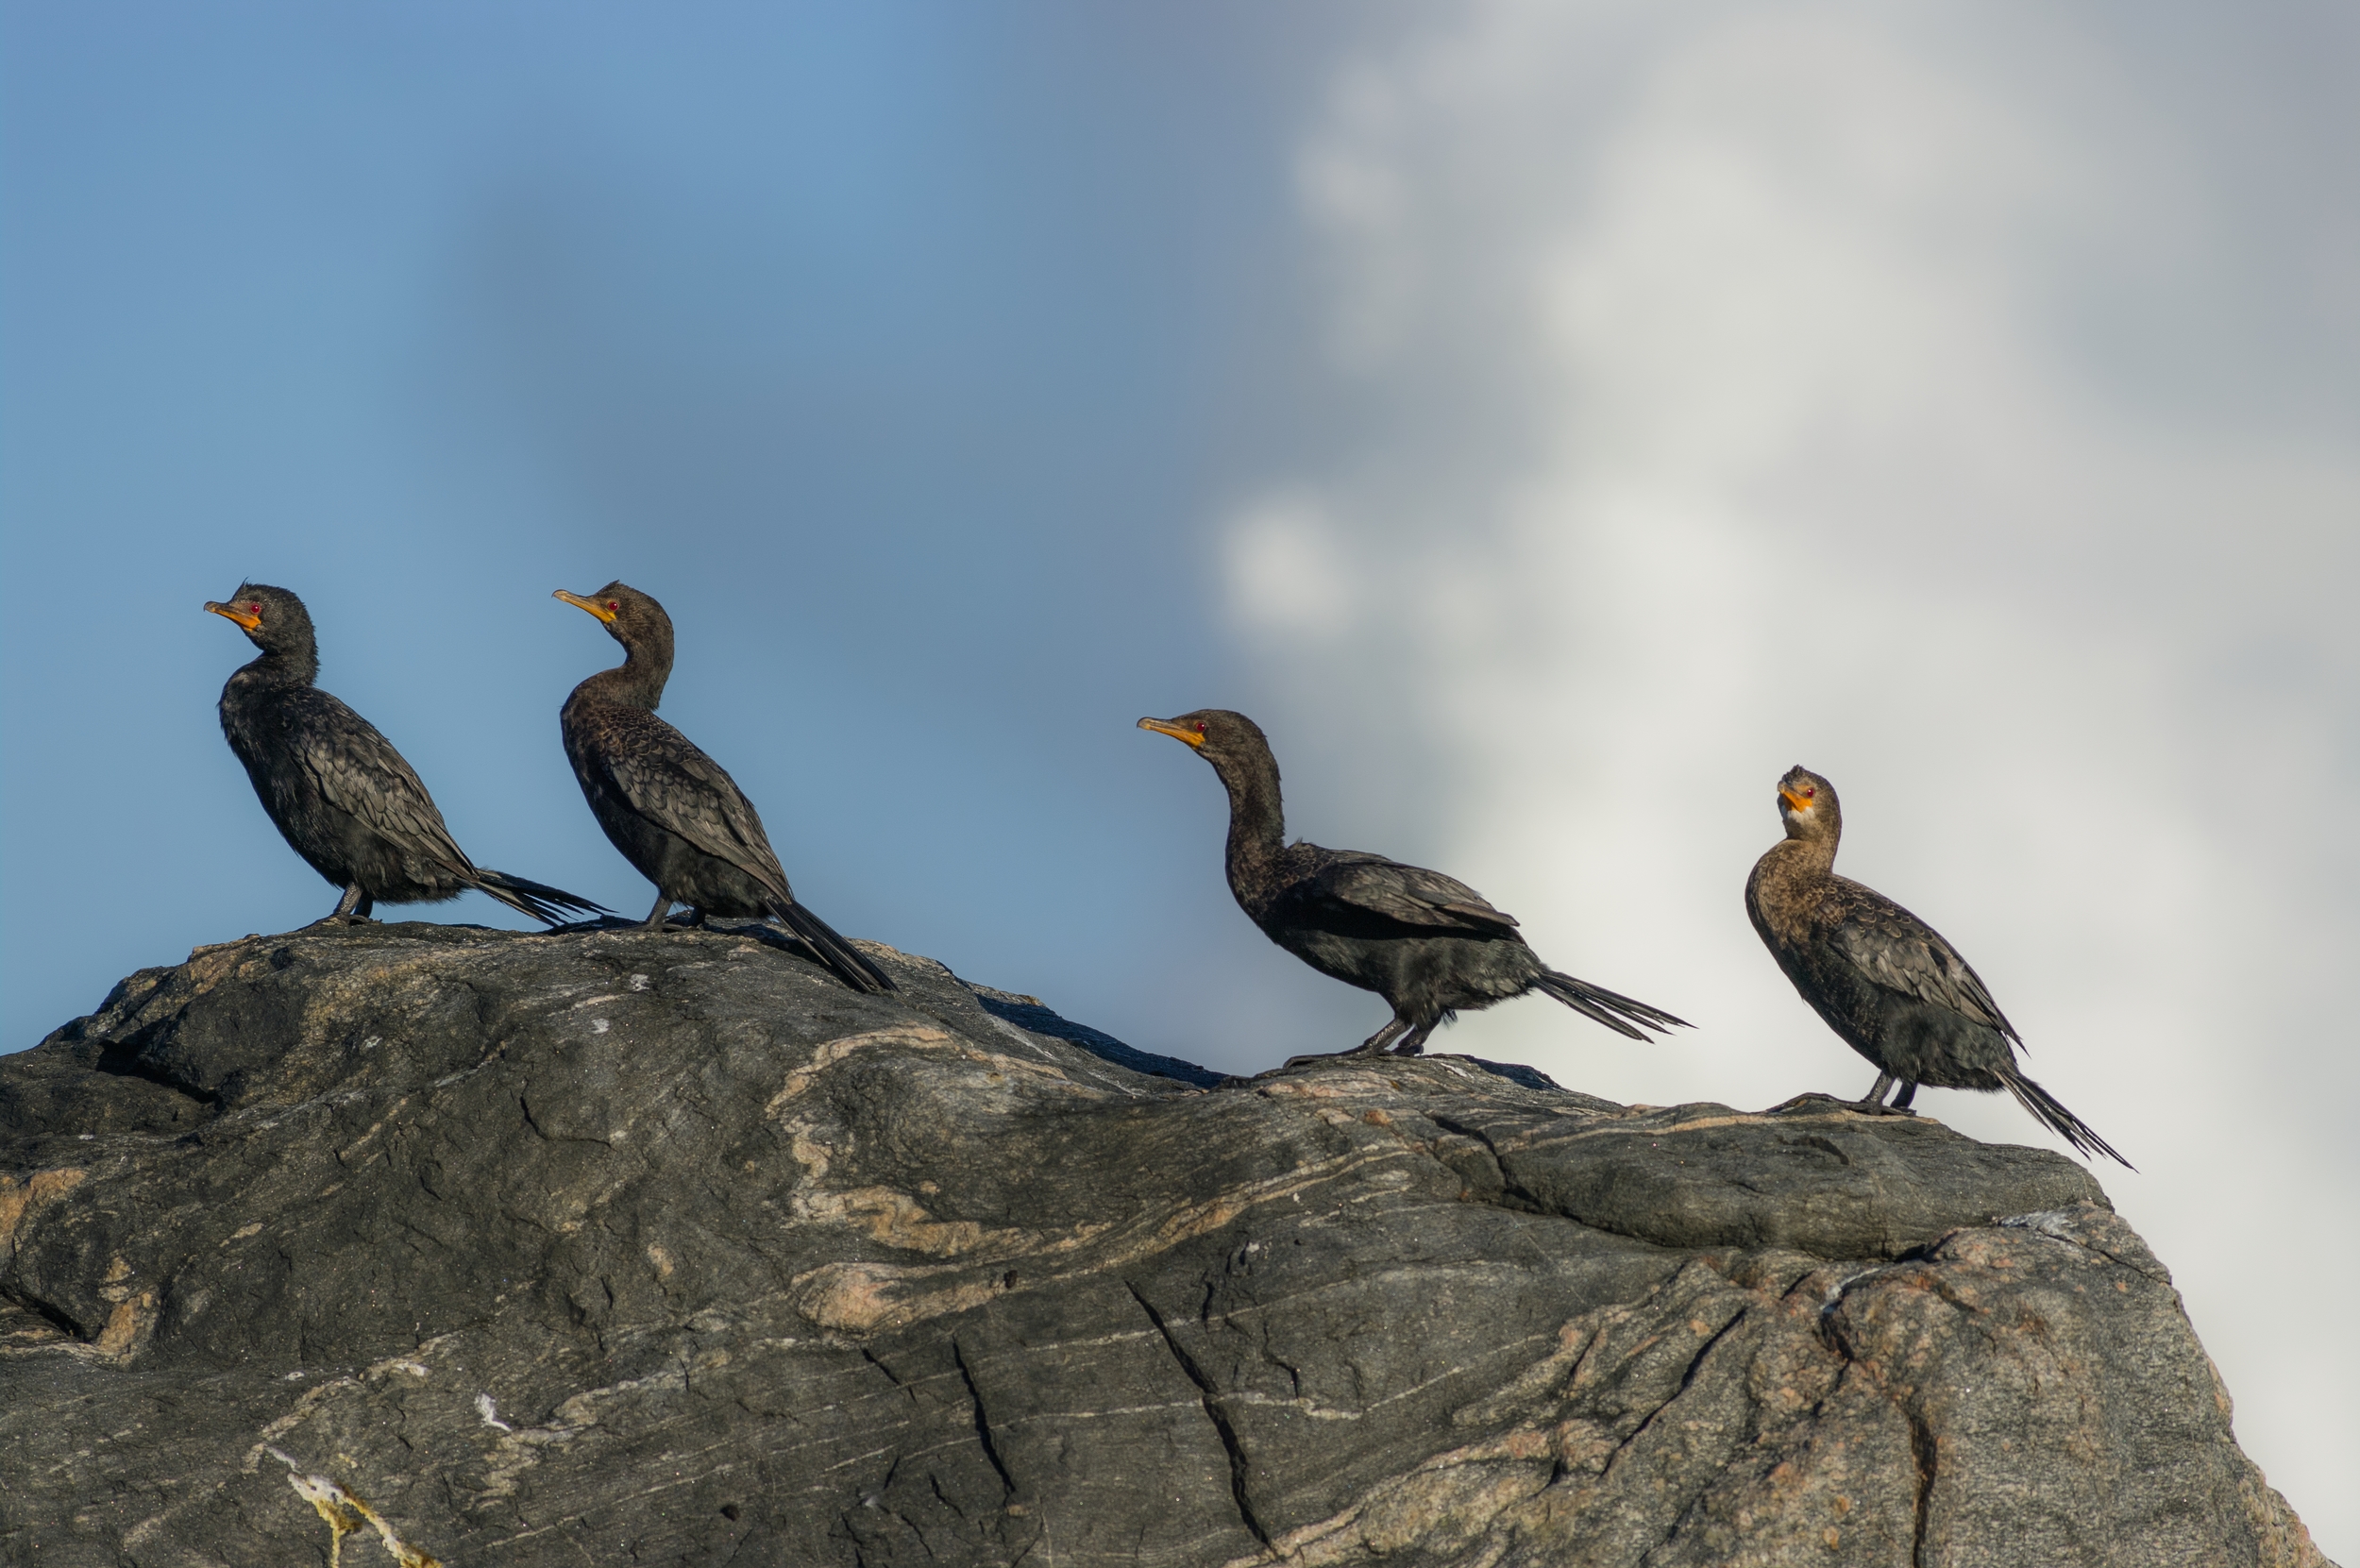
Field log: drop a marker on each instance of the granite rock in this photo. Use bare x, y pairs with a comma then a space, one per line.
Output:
417, 1243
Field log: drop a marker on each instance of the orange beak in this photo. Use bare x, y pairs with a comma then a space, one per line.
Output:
1165, 726
590, 605
1794, 802
233, 612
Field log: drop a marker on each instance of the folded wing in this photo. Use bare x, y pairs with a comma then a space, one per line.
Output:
359, 773
665, 778
1901, 952
1371, 885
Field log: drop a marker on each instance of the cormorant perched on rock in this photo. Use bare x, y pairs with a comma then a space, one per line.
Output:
671, 810
1884, 980
1429, 945
342, 796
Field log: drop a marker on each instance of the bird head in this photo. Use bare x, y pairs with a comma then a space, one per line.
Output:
1220, 736
630, 617
1808, 806
273, 619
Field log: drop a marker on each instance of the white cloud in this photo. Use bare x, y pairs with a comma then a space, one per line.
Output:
1286, 571
1742, 413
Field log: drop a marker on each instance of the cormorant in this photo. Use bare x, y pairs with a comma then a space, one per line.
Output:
342, 796
1431, 946
672, 811
1884, 980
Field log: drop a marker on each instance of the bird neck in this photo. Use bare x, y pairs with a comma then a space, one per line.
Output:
1781, 896
1257, 818
637, 682
298, 666
1802, 858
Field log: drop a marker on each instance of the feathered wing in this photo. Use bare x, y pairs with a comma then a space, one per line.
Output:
359, 771
1899, 952
1371, 885
664, 777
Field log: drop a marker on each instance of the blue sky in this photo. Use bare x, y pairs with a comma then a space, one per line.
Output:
886, 348
1551, 420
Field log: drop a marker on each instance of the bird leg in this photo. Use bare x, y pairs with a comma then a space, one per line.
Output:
352, 909
1413, 1045
655, 917
1394, 1028
1874, 1103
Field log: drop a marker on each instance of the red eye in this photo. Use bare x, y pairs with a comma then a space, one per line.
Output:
1200, 726
253, 609
612, 604
1808, 793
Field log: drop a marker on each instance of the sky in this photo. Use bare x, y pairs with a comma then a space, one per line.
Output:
1550, 420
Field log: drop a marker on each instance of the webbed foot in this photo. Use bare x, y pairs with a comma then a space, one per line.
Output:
1311, 1058
1859, 1107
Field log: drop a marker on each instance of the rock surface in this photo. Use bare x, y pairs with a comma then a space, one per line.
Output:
416, 1242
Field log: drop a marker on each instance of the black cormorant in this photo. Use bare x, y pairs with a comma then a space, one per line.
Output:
1884, 980
1429, 945
342, 796
672, 811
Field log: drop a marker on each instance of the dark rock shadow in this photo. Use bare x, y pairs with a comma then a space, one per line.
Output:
1029, 1014
1516, 1072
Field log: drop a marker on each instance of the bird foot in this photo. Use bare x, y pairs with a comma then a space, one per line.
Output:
1293, 1062
344, 920
1859, 1107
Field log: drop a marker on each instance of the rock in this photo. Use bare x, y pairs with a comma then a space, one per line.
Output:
416, 1243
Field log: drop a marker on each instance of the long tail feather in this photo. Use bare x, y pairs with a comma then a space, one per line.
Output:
2060, 1120
850, 965
552, 905
1617, 1012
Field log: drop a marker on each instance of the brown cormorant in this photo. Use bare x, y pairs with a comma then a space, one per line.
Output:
1429, 945
671, 810
1884, 980
342, 796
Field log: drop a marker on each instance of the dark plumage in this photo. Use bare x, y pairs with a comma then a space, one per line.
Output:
1884, 980
672, 811
342, 796
1427, 944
